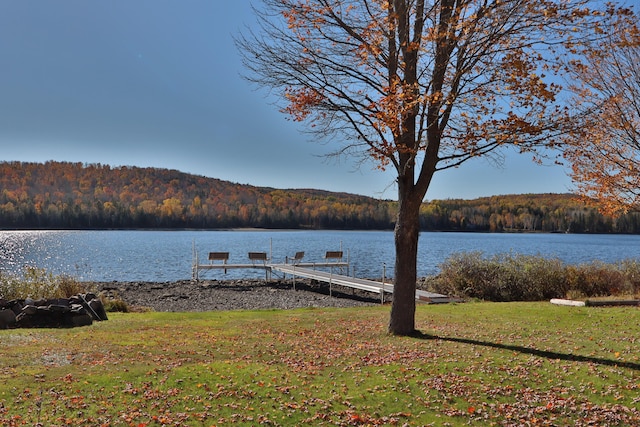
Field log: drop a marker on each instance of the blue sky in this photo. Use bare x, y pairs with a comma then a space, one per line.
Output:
158, 83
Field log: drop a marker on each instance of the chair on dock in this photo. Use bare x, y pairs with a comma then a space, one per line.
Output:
219, 256
333, 256
296, 258
258, 256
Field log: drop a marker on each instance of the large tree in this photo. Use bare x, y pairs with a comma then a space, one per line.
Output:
605, 157
420, 86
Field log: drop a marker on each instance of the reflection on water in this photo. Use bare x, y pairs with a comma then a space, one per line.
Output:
28, 248
168, 255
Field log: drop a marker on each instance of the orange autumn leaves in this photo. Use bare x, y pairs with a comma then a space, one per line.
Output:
302, 101
605, 156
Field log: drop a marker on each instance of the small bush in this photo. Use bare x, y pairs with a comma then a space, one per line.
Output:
631, 271
36, 283
598, 279
514, 277
113, 303
69, 286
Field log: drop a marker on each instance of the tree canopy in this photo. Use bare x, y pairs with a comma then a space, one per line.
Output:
605, 156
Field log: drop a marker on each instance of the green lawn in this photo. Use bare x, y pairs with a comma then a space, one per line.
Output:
503, 364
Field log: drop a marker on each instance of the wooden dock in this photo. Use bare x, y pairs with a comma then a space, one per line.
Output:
311, 270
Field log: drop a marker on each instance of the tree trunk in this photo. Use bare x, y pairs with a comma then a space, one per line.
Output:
403, 308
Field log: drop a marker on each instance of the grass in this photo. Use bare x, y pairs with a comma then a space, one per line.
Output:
503, 364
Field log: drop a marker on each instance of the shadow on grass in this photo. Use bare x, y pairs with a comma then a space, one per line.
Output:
533, 351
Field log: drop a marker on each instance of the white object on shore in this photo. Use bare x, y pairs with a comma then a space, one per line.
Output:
559, 301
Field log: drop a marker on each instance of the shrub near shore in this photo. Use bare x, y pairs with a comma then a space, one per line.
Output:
516, 277
36, 283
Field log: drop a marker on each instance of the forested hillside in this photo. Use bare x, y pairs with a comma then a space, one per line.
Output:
524, 212
75, 195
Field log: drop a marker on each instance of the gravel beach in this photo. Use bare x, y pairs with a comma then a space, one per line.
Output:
209, 295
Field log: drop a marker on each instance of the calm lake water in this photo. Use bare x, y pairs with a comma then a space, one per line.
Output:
168, 255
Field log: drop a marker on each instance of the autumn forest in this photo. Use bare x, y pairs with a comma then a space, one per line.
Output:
61, 195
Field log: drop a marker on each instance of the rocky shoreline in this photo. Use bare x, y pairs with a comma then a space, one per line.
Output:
210, 295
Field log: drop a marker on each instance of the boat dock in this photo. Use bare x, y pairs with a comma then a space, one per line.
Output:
295, 267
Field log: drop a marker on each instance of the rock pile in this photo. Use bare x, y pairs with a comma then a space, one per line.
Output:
78, 310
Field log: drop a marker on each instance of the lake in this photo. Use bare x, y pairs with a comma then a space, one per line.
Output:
136, 255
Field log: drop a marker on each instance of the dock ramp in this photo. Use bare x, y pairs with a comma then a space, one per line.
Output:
353, 282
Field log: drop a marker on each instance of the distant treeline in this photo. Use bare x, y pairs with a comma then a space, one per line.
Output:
61, 195
526, 212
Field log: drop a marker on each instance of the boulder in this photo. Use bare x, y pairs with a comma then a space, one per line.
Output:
98, 308
81, 320
7, 318
16, 305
